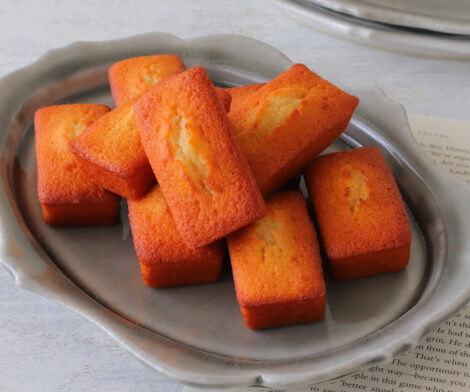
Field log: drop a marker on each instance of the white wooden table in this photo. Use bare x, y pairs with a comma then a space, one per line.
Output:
45, 347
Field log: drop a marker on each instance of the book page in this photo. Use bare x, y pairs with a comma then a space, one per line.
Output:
441, 361
445, 140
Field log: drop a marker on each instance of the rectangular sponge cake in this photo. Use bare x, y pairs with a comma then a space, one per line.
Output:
277, 267
164, 258
284, 124
131, 77
187, 137
111, 154
66, 195
361, 215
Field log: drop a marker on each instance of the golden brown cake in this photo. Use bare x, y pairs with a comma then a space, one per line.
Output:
187, 137
361, 215
66, 195
164, 258
287, 122
111, 154
131, 77
239, 94
224, 97
277, 267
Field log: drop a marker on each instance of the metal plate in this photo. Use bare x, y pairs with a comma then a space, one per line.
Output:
378, 35
196, 334
445, 16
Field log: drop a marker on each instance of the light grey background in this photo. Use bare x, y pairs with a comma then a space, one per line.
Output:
45, 347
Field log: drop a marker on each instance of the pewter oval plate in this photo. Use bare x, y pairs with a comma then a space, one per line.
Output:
195, 334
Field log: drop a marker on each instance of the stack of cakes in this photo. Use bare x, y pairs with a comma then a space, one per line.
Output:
201, 167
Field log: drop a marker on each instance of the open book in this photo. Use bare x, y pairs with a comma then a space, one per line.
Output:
441, 361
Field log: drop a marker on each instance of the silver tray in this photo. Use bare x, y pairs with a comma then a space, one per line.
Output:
445, 16
378, 35
196, 334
